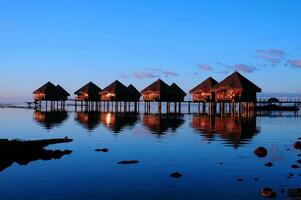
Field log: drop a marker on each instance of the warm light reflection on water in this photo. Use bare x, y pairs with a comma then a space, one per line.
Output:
108, 118
210, 152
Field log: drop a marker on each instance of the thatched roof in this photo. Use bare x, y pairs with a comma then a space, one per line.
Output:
89, 88
62, 91
177, 90
158, 86
116, 88
134, 91
205, 86
237, 81
47, 88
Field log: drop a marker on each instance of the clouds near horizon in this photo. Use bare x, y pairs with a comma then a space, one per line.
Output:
151, 73
244, 68
205, 67
295, 63
274, 56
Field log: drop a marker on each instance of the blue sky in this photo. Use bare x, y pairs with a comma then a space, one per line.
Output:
73, 42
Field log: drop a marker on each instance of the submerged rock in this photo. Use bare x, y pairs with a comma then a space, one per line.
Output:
268, 193
299, 161
297, 145
294, 166
239, 179
102, 150
255, 179
268, 164
261, 152
23, 152
126, 162
176, 175
295, 193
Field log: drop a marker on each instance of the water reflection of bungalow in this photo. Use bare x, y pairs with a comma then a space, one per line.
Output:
116, 122
236, 88
89, 92
233, 130
160, 124
202, 92
90, 120
49, 119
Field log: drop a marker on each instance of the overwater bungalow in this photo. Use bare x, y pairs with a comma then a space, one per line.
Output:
135, 94
236, 88
157, 91
203, 91
116, 91
178, 93
47, 92
62, 93
89, 92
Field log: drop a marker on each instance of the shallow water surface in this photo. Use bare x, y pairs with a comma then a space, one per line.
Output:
210, 152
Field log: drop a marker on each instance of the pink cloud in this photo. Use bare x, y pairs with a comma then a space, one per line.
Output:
205, 67
244, 68
154, 73
125, 76
295, 63
272, 55
144, 74
168, 73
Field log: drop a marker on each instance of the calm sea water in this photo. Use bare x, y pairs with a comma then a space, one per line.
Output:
211, 153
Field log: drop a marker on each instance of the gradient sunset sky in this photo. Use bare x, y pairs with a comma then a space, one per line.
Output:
73, 42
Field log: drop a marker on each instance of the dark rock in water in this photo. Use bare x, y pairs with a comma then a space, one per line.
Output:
255, 179
261, 152
67, 152
287, 149
239, 179
126, 162
269, 164
23, 152
295, 193
294, 166
268, 193
176, 175
299, 155
299, 138
299, 161
221, 163
297, 145
102, 150
290, 174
